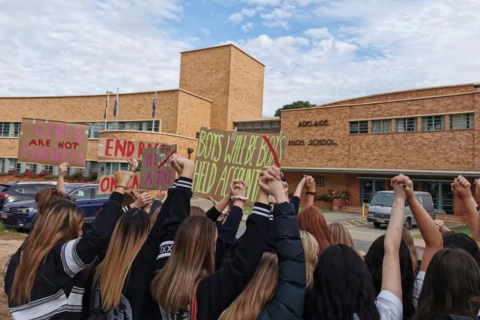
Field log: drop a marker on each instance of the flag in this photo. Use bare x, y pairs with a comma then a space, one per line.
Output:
106, 107
154, 106
115, 107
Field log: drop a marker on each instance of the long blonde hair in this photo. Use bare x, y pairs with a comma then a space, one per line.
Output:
59, 223
130, 234
192, 259
257, 294
340, 235
311, 249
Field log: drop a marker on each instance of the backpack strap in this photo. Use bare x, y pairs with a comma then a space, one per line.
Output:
194, 304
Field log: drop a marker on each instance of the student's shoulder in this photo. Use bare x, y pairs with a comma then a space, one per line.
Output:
389, 306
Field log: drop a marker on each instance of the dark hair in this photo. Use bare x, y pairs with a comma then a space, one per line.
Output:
128, 199
451, 286
462, 241
374, 262
47, 196
342, 287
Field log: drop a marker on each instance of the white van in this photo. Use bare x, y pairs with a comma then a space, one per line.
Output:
381, 207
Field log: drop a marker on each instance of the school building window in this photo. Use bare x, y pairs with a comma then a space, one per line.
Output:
96, 127
109, 168
381, 126
319, 181
358, 127
49, 169
271, 126
407, 125
433, 123
10, 129
462, 121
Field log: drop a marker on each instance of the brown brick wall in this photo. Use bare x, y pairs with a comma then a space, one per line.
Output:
192, 114
354, 187
428, 92
207, 73
8, 147
420, 150
246, 88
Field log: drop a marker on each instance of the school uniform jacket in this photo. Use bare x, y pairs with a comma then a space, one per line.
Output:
217, 291
58, 289
289, 296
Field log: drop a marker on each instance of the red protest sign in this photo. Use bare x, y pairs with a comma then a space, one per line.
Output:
53, 142
111, 148
156, 169
107, 184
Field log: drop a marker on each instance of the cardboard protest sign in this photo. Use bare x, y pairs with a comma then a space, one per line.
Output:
53, 142
156, 169
107, 184
224, 156
110, 148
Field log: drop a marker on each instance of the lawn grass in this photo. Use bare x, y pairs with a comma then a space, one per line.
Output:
461, 229
10, 234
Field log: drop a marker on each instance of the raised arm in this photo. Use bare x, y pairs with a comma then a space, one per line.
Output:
289, 296
392, 280
295, 200
178, 209
428, 228
462, 189
311, 190
215, 212
62, 172
235, 274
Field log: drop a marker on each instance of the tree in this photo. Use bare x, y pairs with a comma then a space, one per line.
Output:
294, 105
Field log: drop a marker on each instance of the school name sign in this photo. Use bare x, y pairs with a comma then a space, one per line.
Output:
223, 156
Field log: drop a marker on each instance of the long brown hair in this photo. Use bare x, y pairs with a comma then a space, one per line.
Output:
451, 286
58, 224
128, 237
45, 197
340, 235
312, 220
311, 249
408, 239
259, 291
192, 259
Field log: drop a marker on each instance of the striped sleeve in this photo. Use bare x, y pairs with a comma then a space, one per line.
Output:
263, 210
72, 264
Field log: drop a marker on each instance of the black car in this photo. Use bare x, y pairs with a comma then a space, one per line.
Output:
20, 191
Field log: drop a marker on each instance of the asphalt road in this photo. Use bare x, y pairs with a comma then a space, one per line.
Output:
362, 231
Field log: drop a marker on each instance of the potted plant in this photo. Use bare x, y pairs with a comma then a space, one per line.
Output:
339, 198
324, 201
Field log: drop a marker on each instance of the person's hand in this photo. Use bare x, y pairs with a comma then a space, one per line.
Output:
161, 195
133, 164
285, 187
441, 226
407, 185
310, 184
144, 199
399, 192
270, 182
239, 188
462, 188
182, 163
476, 183
174, 163
122, 178
62, 169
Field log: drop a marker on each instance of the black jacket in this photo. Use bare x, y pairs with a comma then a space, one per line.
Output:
58, 287
288, 300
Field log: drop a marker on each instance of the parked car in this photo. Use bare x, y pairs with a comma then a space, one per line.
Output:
20, 215
380, 208
20, 191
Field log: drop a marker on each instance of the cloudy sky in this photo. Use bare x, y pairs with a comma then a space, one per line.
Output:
316, 50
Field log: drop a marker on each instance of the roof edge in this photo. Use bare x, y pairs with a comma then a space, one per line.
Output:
222, 46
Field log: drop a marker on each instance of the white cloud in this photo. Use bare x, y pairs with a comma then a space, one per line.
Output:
374, 46
206, 31
277, 14
247, 27
82, 47
240, 16
319, 33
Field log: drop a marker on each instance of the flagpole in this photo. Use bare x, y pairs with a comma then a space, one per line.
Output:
153, 121
106, 109
118, 106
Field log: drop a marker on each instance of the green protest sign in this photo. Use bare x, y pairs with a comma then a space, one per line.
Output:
223, 156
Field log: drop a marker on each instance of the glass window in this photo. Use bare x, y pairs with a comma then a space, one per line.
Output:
99, 196
358, 127
4, 129
275, 125
381, 126
462, 121
319, 181
82, 194
49, 169
407, 125
16, 129
95, 129
433, 123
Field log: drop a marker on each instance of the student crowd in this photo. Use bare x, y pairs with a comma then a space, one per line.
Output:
144, 259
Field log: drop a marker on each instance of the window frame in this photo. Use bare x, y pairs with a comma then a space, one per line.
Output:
469, 121
382, 126
429, 123
406, 125
359, 128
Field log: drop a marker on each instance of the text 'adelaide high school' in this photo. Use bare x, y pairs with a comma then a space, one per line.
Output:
354, 145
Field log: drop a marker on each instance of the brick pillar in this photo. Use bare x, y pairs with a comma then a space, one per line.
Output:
387, 185
421, 186
354, 188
